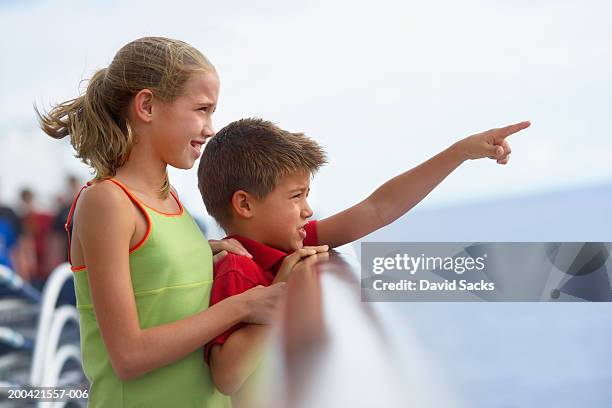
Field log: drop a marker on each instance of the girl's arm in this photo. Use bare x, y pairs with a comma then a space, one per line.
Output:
105, 223
398, 195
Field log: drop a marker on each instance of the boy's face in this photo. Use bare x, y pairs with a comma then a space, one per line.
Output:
280, 217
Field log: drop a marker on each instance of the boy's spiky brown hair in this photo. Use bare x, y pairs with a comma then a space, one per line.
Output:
251, 155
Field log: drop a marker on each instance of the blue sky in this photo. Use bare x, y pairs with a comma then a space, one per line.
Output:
382, 88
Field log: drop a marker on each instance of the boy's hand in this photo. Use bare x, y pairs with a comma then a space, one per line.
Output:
291, 260
491, 143
220, 248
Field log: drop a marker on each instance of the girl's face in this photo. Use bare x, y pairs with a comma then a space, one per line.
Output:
181, 127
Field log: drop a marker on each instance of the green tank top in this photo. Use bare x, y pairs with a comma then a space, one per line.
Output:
171, 272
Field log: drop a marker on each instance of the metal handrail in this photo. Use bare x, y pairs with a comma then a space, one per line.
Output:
329, 347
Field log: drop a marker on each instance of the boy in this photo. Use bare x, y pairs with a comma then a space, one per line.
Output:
255, 177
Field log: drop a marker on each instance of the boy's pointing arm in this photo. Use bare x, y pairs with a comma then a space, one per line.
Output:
398, 195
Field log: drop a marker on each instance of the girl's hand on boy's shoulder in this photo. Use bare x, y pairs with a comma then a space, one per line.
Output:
491, 143
293, 259
222, 247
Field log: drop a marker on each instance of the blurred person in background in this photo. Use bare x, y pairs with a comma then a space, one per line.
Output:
10, 236
37, 226
58, 241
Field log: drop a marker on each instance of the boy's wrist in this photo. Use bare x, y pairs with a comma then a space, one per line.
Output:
457, 152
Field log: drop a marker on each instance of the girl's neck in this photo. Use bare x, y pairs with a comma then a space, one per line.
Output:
143, 174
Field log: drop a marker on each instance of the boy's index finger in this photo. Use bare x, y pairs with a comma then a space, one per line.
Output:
510, 130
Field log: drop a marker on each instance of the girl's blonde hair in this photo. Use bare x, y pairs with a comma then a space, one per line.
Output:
97, 120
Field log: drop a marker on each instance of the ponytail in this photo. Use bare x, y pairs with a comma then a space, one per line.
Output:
96, 134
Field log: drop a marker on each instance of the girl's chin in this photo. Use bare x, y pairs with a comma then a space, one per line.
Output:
184, 163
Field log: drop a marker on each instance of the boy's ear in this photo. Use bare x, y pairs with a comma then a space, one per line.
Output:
143, 105
242, 202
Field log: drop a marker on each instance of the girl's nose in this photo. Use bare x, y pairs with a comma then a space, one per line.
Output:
208, 131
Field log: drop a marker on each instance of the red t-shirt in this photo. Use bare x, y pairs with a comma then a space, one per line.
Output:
235, 274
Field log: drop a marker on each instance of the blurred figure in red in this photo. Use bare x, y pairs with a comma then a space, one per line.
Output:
37, 226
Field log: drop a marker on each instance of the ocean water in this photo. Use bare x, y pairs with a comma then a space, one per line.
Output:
514, 354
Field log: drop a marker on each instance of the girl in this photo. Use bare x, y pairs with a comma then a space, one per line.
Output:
143, 270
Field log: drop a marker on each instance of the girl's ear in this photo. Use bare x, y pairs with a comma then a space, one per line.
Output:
142, 105
242, 203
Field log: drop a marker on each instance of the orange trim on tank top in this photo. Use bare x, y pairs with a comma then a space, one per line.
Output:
134, 200
168, 214
148, 206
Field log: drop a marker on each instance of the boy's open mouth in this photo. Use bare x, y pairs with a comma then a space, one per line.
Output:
302, 232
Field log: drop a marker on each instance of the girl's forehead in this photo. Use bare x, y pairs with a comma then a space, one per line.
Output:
203, 87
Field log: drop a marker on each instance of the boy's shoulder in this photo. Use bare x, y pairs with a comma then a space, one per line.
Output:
233, 263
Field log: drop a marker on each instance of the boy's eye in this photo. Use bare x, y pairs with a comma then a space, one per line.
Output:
297, 195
